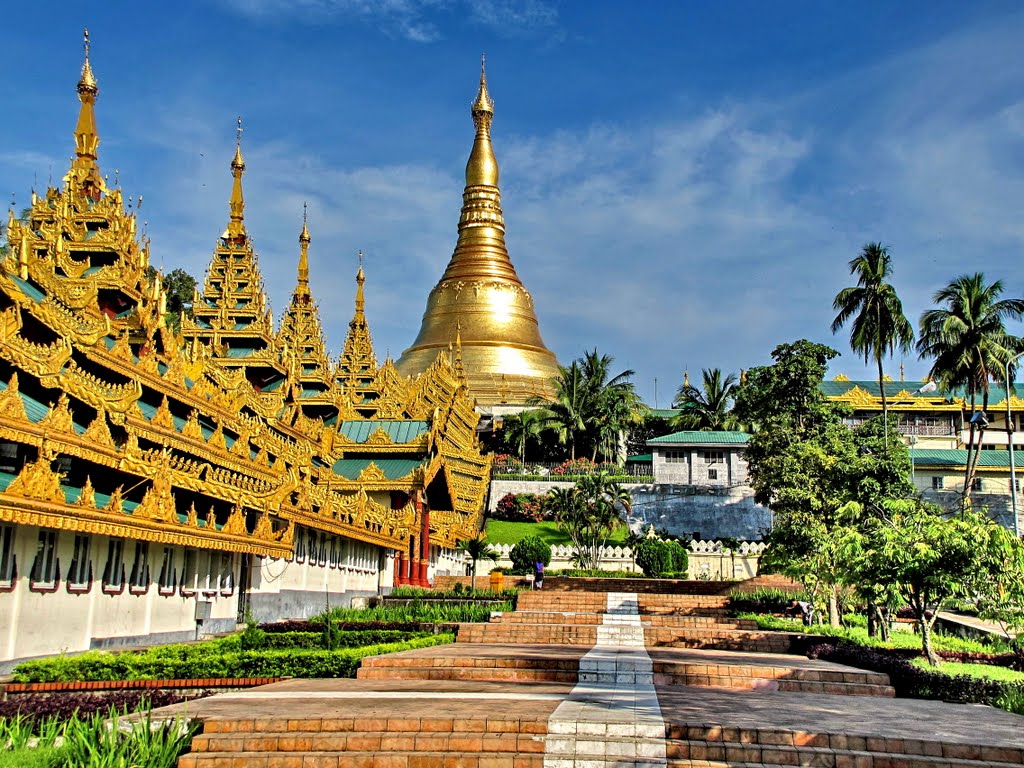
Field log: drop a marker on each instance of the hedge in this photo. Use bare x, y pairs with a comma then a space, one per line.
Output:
192, 662
915, 683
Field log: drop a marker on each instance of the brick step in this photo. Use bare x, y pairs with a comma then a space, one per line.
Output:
735, 755
656, 620
717, 639
486, 724
367, 741
446, 667
364, 759
543, 617
528, 634
573, 584
762, 678
702, 737
698, 622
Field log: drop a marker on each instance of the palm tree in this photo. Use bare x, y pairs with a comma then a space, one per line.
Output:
588, 513
613, 403
879, 326
522, 427
710, 409
969, 345
477, 549
565, 411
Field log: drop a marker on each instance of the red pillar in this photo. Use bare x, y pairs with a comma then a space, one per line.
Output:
425, 548
419, 566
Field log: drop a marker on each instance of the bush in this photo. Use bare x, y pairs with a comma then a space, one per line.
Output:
519, 508
662, 558
915, 683
36, 708
220, 661
527, 552
763, 600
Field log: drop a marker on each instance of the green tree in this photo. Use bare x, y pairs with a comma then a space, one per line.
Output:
477, 549
181, 288
878, 326
932, 559
529, 551
588, 513
565, 411
710, 409
967, 340
806, 465
520, 428
613, 404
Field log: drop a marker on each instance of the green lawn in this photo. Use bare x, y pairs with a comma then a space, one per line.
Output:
974, 670
503, 532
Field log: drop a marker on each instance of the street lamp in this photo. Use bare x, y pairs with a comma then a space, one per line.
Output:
1009, 447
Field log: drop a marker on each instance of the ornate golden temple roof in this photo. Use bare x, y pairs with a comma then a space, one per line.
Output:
218, 436
480, 296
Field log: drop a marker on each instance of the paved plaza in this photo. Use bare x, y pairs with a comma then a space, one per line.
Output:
615, 703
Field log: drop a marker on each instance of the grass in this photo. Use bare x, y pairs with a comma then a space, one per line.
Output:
504, 532
974, 670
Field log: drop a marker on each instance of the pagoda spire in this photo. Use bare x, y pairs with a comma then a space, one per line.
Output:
84, 167
236, 225
304, 240
480, 292
358, 363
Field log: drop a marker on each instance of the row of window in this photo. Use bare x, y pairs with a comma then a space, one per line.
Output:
327, 551
708, 457
979, 484
200, 570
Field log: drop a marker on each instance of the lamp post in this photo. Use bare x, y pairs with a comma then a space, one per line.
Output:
1009, 448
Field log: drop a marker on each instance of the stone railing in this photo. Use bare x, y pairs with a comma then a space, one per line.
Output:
710, 560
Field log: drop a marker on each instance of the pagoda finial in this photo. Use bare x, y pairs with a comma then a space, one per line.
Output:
483, 104
482, 168
304, 240
360, 280
236, 227
686, 378
86, 138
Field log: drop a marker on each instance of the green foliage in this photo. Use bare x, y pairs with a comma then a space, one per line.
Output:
966, 338
666, 559
197, 661
252, 637
477, 549
710, 408
93, 742
529, 551
588, 513
416, 612
1012, 701
519, 508
457, 591
763, 600
989, 671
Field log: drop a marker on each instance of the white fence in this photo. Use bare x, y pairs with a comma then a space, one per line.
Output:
709, 560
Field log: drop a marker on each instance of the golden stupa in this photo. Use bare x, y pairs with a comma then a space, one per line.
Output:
480, 304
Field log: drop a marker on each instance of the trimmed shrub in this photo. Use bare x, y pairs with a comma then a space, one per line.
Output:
528, 551
519, 508
662, 558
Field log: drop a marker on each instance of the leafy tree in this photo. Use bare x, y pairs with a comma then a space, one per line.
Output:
527, 552
806, 465
477, 549
591, 408
589, 512
932, 559
520, 428
878, 326
710, 409
969, 345
180, 287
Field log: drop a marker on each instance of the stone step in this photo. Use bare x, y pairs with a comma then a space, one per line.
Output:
446, 667
698, 622
712, 742
486, 723
718, 639
598, 602
364, 759
737, 755
756, 677
528, 634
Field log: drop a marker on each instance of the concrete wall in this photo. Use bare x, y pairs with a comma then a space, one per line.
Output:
681, 509
689, 465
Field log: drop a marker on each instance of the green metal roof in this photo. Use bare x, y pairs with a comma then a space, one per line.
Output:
840, 388
694, 437
28, 289
240, 351
640, 458
36, 411
359, 431
949, 457
392, 468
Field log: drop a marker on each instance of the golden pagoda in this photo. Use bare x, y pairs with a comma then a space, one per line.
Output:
221, 464
480, 297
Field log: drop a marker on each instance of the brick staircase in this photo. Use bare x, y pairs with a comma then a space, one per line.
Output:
342, 742
619, 699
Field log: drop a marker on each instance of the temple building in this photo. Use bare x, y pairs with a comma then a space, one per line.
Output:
161, 477
480, 298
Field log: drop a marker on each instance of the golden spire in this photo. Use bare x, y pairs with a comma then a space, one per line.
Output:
480, 292
236, 226
87, 140
357, 358
304, 240
686, 378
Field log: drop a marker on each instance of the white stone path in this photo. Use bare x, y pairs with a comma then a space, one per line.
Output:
612, 718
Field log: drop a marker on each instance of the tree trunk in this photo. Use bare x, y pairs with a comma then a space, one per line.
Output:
472, 579
883, 622
926, 639
885, 402
833, 606
968, 470
872, 619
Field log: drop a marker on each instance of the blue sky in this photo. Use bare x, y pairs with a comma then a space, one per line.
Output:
683, 183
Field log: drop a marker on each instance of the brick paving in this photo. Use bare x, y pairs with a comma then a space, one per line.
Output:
621, 701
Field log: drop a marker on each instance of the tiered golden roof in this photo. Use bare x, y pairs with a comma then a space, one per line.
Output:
480, 295
124, 427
